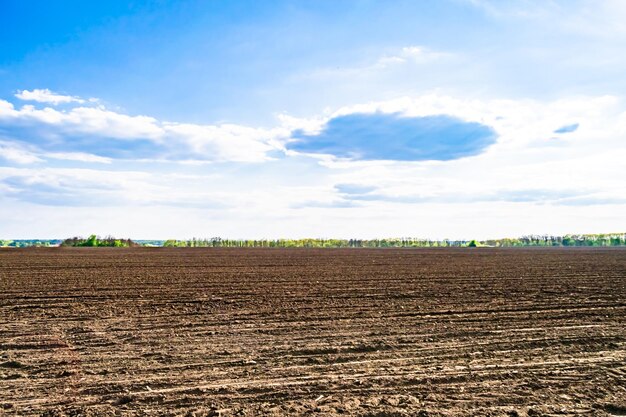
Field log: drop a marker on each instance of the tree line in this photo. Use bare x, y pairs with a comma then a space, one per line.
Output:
613, 239
95, 241
25, 243
600, 240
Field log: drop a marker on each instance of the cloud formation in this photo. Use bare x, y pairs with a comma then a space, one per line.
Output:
15, 152
108, 134
380, 136
47, 96
427, 154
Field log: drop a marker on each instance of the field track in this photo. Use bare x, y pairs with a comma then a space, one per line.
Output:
387, 332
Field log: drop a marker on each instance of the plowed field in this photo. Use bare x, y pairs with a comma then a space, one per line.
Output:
313, 332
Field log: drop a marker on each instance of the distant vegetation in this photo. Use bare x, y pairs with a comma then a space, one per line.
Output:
24, 243
613, 239
95, 241
603, 240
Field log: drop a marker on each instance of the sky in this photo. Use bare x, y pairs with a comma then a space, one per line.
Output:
458, 119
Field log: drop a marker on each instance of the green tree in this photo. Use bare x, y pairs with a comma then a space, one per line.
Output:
92, 241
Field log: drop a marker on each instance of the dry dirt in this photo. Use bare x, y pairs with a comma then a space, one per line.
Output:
246, 332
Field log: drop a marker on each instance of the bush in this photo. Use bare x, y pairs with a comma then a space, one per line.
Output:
94, 241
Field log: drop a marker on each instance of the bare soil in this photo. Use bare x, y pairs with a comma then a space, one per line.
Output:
246, 332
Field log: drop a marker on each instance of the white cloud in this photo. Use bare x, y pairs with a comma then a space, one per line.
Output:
24, 154
78, 186
111, 124
225, 142
574, 181
78, 156
16, 153
518, 123
597, 18
393, 59
527, 166
86, 120
47, 96
413, 54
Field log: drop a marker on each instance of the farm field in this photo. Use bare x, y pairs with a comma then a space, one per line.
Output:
364, 332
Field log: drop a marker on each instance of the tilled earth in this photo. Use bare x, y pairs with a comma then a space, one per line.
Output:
208, 332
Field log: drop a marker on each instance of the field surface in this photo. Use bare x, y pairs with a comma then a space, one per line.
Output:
246, 332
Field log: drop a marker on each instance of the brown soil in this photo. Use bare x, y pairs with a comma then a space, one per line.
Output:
208, 332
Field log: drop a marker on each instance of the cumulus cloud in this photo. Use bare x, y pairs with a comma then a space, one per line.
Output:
82, 120
516, 125
13, 152
225, 142
97, 130
46, 96
108, 134
524, 165
378, 136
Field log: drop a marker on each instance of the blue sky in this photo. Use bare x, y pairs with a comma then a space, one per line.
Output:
441, 119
